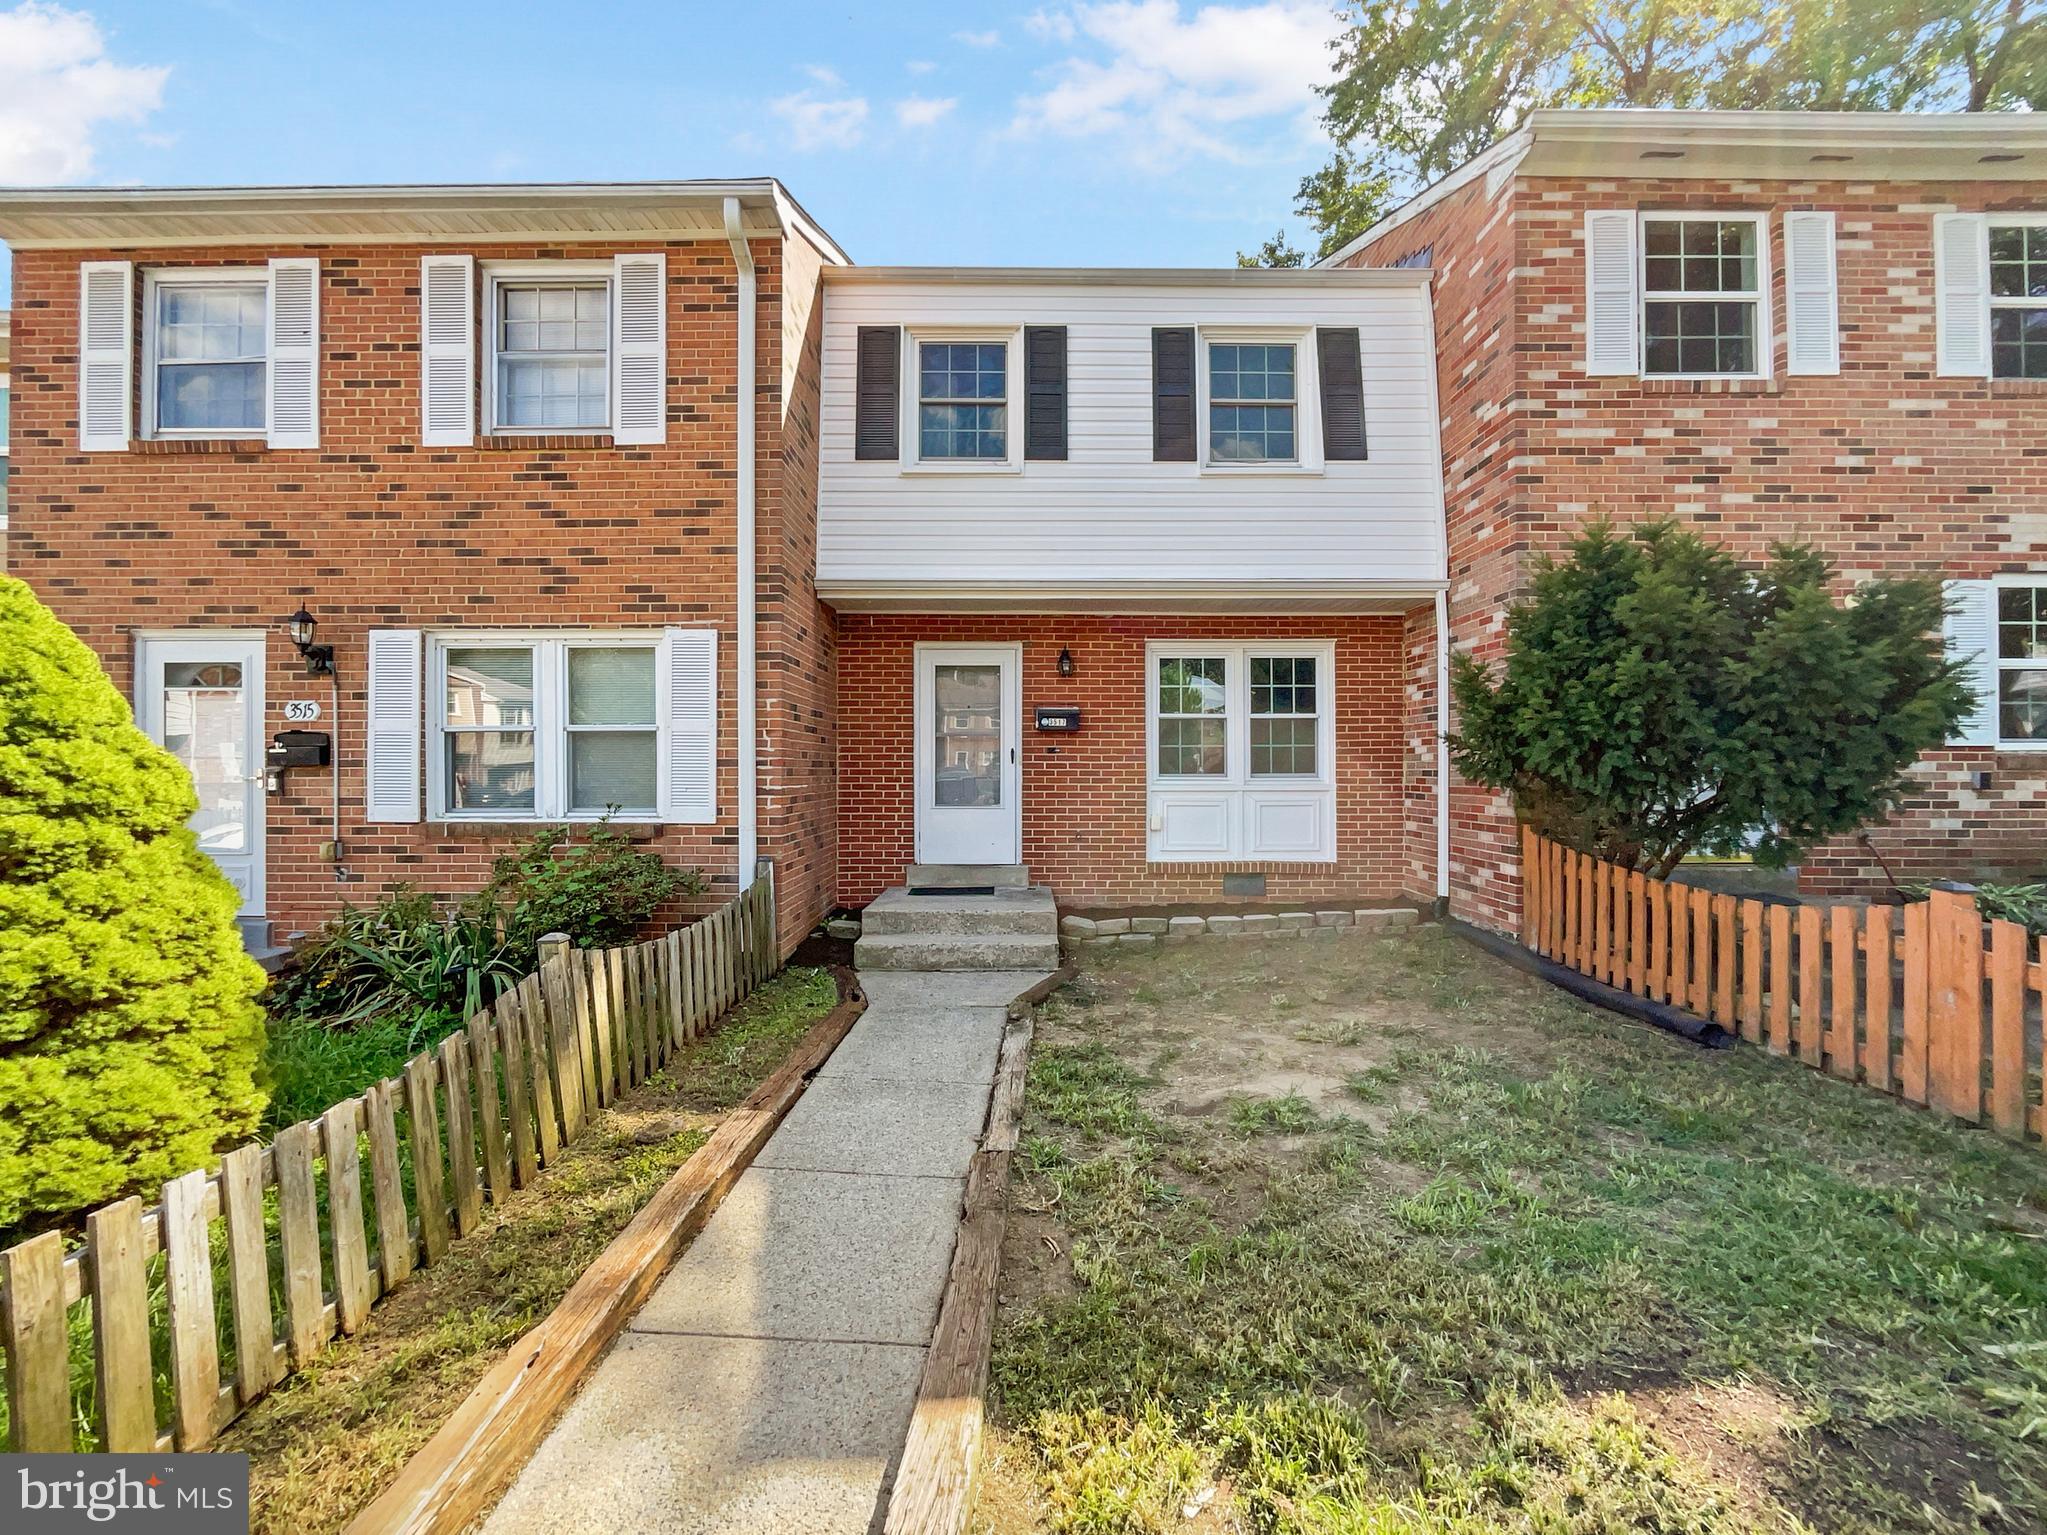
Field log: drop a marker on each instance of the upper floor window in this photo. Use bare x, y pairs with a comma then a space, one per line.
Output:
205, 358
1701, 295
1251, 402
2022, 663
551, 340
963, 400
2018, 301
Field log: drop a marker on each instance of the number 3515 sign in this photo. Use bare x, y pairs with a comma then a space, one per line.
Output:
301, 712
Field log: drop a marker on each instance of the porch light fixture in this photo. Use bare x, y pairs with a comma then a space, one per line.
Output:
319, 658
1065, 662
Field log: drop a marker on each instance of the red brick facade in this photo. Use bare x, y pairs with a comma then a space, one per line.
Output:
1885, 466
372, 529
1084, 796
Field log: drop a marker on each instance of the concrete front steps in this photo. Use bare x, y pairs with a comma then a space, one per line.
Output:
950, 925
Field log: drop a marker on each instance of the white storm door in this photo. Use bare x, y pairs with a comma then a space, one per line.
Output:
968, 707
202, 701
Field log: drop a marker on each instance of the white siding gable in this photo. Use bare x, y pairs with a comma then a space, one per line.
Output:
1108, 514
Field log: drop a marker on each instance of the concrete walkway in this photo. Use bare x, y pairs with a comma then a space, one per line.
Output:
767, 1385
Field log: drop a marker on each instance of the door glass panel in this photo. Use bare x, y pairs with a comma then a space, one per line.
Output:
205, 726
967, 744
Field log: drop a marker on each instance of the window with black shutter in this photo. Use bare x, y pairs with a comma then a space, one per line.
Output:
877, 397
1172, 395
1045, 391
1338, 355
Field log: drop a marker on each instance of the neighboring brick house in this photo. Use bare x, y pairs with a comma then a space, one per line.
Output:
1122, 563
539, 461
1821, 327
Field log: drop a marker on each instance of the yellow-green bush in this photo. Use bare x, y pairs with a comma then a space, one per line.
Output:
130, 1034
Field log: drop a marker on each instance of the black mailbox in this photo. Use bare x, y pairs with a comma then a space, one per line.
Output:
1062, 717
300, 748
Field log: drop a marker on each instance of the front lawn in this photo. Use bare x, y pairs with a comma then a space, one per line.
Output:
1376, 1234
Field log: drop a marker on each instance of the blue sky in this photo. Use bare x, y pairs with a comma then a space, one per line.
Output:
1133, 132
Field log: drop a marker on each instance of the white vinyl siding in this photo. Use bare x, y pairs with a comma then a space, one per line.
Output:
1108, 513
1240, 742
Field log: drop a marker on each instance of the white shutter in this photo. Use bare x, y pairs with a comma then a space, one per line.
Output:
294, 353
1961, 295
1970, 633
447, 351
1612, 312
1812, 322
689, 691
639, 348
392, 772
106, 331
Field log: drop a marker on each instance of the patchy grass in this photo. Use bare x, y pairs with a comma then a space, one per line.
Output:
1377, 1235
324, 1443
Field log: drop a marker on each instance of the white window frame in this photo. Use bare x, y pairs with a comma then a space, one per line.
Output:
550, 720
1991, 302
498, 274
1999, 664
1237, 795
1307, 457
154, 280
1760, 296
1010, 338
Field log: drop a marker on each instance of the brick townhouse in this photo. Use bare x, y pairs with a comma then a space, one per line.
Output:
536, 462
496, 507
1824, 327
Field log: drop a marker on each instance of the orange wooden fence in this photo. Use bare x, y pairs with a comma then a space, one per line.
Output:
1927, 1000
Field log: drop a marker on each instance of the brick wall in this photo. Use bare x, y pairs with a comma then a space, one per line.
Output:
1886, 467
372, 529
1084, 804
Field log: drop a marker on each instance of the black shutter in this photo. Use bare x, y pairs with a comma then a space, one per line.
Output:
1045, 391
878, 391
1172, 395
1343, 392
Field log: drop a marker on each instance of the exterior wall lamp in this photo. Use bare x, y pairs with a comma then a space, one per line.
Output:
1065, 662
319, 658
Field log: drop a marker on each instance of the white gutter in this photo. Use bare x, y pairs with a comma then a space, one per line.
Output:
749, 747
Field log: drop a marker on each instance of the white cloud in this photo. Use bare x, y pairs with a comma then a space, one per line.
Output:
1218, 81
823, 74
978, 39
58, 87
817, 122
1056, 26
923, 111
919, 66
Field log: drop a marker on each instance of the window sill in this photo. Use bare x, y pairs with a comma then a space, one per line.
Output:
546, 442
940, 467
490, 831
1228, 471
170, 447
1711, 386
2017, 388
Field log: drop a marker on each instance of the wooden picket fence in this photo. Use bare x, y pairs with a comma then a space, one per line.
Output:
1925, 1000
268, 1257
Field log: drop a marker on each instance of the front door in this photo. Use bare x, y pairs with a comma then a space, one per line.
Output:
967, 776
202, 701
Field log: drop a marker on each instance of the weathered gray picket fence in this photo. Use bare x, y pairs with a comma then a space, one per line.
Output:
463, 1126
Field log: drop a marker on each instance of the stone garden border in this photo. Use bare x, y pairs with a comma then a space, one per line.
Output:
1149, 929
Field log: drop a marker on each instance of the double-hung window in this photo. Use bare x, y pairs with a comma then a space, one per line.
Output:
551, 352
546, 727
1253, 395
2022, 663
1242, 752
205, 353
2018, 300
963, 401
1702, 295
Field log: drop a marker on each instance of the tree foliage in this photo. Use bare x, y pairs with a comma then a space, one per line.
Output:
1659, 697
130, 1033
1423, 85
